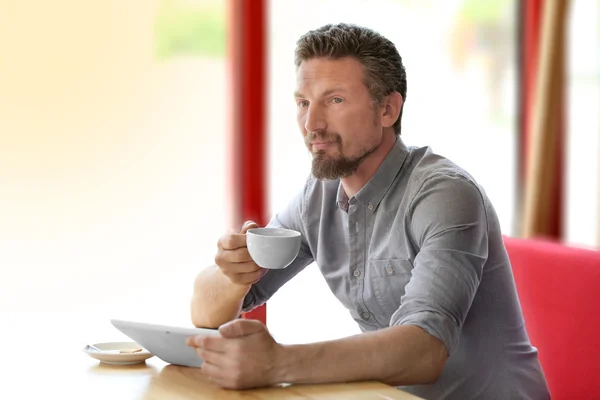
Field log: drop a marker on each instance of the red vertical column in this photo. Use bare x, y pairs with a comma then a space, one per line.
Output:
249, 51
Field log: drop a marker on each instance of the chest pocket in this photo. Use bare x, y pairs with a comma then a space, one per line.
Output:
388, 280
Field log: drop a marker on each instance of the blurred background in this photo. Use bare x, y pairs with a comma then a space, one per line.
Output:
119, 140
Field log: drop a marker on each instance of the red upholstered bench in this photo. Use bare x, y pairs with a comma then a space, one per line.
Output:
559, 290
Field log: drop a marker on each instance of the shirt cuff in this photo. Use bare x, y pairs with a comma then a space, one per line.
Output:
434, 323
249, 301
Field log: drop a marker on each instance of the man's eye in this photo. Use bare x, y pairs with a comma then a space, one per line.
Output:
337, 100
303, 103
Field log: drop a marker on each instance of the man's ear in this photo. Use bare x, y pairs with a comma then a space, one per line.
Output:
391, 109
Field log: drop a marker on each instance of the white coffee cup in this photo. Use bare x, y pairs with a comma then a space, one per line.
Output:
273, 248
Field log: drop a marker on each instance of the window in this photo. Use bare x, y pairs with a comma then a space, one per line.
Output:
461, 70
582, 184
113, 135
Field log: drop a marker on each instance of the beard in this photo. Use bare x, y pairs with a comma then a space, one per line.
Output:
327, 167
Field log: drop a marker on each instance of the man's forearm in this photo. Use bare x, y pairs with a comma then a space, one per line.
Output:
216, 300
401, 355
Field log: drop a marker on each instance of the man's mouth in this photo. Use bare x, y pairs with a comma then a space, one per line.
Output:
322, 145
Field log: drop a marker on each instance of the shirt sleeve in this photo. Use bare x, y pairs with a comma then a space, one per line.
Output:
448, 222
289, 218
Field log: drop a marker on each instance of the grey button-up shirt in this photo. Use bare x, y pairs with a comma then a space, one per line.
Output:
419, 244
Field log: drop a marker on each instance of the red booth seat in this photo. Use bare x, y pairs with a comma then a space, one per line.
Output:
559, 290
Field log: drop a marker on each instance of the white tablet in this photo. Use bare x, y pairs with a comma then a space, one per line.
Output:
165, 342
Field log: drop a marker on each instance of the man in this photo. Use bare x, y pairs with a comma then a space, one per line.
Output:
406, 240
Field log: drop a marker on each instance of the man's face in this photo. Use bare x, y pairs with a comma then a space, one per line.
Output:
340, 125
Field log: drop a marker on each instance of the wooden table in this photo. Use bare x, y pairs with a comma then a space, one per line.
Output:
42, 358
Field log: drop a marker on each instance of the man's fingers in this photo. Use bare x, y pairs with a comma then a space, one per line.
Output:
241, 327
253, 275
210, 357
215, 375
237, 256
212, 370
207, 343
240, 268
232, 241
240, 255
247, 278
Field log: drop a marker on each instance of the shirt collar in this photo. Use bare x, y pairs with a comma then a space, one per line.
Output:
342, 198
373, 191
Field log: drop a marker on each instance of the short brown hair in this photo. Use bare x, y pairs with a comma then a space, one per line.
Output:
384, 71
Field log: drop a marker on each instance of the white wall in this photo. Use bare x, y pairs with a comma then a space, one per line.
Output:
582, 184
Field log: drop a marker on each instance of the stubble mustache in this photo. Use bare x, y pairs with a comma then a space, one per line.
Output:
322, 137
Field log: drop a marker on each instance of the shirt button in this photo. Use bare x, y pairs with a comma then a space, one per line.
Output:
370, 206
390, 270
366, 315
356, 273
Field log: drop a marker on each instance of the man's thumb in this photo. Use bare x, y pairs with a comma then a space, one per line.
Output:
248, 225
241, 327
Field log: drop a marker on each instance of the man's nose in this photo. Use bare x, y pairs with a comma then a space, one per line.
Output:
315, 120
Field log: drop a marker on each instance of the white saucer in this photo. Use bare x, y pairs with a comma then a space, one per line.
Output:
111, 353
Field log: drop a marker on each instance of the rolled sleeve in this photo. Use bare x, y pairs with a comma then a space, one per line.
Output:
448, 222
263, 290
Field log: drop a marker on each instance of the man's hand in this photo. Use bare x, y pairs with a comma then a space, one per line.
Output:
234, 259
245, 356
